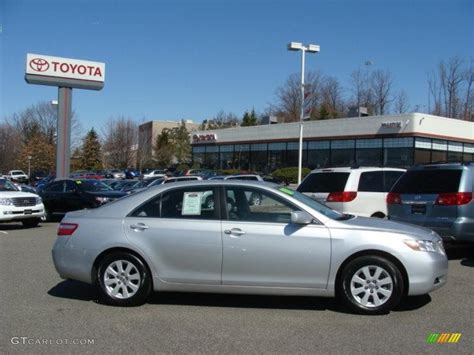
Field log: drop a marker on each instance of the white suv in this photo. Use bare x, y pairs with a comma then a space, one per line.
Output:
19, 206
359, 191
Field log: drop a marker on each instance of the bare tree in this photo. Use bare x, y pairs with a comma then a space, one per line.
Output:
450, 89
41, 119
223, 120
381, 84
468, 106
120, 139
359, 87
332, 101
401, 102
289, 96
10, 147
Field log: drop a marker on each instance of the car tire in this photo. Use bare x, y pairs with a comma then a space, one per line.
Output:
123, 280
31, 222
371, 285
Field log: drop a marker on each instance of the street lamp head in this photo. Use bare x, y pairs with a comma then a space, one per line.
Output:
295, 46
313, 48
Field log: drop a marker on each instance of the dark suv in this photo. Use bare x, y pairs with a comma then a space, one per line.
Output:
437, 196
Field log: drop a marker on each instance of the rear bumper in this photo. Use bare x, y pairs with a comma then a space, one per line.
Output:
72, 263
461, 230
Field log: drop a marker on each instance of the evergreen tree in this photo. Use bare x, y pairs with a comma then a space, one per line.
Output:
249, 119
91, 151
163, 149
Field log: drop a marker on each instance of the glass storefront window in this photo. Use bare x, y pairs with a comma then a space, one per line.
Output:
438, 156
369, 157
398, 157
258, 161
342, 157
318, 159
422, 156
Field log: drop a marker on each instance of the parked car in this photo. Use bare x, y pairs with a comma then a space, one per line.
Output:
25, 188
246, 177
359, 191
164, 239
132, 173
17, 176
66, 195
16, 205
114, 174
437, 196
154, 173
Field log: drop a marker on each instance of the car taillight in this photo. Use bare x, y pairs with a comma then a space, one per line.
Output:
454, 199
393, 198
344, 196
67, 228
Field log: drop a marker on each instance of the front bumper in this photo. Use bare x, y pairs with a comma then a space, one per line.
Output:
12, 213
426, 272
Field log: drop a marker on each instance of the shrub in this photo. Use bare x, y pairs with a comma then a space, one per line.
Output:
290, 175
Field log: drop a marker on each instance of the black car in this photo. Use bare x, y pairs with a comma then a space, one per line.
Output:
66, 195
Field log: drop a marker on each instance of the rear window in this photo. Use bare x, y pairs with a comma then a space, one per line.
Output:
428, 182
378, 181
324, 182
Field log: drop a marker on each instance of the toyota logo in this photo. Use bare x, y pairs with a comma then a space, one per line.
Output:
39, 64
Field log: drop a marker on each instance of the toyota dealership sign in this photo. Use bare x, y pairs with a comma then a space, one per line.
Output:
56, 71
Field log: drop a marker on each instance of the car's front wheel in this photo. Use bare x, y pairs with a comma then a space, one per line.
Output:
123, 280
371, 285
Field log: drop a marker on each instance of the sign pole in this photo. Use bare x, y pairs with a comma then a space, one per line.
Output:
63, 139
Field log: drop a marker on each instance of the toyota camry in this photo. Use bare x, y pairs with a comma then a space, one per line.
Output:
167, 238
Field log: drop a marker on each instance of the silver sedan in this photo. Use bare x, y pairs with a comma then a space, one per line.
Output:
167, 239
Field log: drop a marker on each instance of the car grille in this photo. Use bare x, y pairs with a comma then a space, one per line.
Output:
24, 201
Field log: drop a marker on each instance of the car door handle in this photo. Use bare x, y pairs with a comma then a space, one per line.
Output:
234, 231
139, 227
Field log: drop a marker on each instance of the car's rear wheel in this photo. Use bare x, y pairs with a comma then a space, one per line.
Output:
123, 280
30, 222
371, 285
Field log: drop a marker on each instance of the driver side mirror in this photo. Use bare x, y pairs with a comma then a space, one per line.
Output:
301, 217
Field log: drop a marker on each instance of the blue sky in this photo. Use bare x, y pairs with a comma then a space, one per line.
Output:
191, 59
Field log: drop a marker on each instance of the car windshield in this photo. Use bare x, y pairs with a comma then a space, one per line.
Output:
6, 185
324, 210
93, 185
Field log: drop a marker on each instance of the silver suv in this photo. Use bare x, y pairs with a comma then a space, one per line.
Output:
437, 196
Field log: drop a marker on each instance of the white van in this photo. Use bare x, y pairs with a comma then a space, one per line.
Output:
358, 191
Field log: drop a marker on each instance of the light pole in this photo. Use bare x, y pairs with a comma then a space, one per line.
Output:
29, 168
311, 48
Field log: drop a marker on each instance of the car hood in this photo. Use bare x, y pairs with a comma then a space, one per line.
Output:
12, 194
383, 225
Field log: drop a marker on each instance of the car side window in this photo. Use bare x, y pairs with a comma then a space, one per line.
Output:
183, 203
70, 186
254, 205
55, 187
371, 181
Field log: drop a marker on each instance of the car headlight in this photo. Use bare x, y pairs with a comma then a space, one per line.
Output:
6, 202
426, 245
39, 200
102, 199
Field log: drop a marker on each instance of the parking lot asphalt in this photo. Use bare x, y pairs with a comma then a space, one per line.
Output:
41, 313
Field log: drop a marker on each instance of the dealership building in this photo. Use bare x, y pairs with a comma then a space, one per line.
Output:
396, 141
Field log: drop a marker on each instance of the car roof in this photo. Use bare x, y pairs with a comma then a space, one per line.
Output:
349, 169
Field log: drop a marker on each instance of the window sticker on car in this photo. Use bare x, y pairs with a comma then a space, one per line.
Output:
78, 182
287, 191
191, 204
